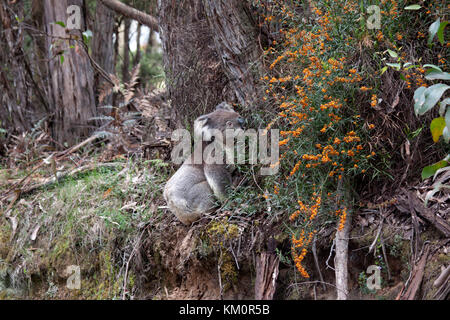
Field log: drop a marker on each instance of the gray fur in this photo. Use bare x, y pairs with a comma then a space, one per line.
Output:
192, 191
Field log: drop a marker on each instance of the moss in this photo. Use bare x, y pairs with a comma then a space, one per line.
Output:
5, 234
228, 271
444, 259
281, 237
223, 230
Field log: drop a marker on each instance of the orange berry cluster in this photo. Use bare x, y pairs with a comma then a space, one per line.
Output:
305, 82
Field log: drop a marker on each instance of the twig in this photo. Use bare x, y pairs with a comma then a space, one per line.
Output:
219, 264
371, 248
329, 257
383, 248
235, 258
125, 278
316, 261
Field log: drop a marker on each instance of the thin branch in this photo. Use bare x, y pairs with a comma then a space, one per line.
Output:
316, 261
132, 13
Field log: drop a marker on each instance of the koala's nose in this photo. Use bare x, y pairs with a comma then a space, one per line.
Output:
241, 122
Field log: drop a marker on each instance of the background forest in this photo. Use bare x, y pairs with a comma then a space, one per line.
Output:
91, 91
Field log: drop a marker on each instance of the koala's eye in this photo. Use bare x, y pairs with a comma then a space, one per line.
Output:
229, 124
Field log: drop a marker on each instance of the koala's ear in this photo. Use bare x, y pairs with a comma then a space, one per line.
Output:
201, 127
224, 106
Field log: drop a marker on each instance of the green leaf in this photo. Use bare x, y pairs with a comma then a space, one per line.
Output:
384, 70
447, 118
60, 23
433, 67
397, 66
87, 35
437, 128
408, 66
393, 54
432, 95
446, 134
435, 75
61, 58
440, 32
413, 7
442, 105
429, 171
434, 28
419, 99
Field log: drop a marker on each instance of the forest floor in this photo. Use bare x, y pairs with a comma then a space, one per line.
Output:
108, 218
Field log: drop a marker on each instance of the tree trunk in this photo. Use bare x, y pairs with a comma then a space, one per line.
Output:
137, 58
341, 260
103, 44
209, 48
235, 40
22, 96
151, 42
13, 100
126, 52
116, 43
195, 80
267, 269
71, 80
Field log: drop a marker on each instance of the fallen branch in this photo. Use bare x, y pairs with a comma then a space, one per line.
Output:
442, 278
51, 159
416, 278
439, 223
442, 292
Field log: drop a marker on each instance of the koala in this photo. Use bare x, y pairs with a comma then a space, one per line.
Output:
192, 191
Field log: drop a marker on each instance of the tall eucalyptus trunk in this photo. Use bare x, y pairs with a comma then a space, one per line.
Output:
103, 45
210, 54
71, 77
